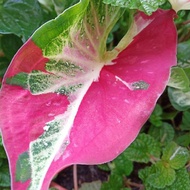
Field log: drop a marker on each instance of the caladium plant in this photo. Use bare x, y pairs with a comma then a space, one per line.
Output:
66, 99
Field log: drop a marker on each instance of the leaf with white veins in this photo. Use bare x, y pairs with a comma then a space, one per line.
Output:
68, 100
69, 64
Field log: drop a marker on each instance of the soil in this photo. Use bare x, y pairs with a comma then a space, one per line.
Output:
90, 173
85, 173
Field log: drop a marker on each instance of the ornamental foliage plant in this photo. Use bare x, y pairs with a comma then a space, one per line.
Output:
83, 84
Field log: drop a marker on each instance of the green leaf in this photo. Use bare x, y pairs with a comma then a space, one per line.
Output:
169, 115
185, 121
187, 72
10, 45
166, 133
180, 100
95, 185
61, 5
179, 79
183, 54
47, 4
123, 166
4, 63
20, 17
1, 161
158, 110
182, 181
146, 6
163, 134
4, 175
143, 148
144, 174
183, 140
2, 150
58, 5
114, 182
176, 156
1, 141
155, 117
164, 176
104, 167
23, 170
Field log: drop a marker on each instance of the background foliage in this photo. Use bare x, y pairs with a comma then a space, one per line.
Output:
161, 151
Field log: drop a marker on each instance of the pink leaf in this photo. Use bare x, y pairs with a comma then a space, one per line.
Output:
111, 108
111, 114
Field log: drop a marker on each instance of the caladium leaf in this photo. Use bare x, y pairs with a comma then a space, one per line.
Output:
66, 100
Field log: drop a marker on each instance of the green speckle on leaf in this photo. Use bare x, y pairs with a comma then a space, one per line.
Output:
42, 149
68, 90
39, 82
20, 79
23, 169
62, 66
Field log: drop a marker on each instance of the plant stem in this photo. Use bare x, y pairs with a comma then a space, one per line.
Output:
55, 185
186, 22
188, 165
75, 177
133, 184
153, 159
